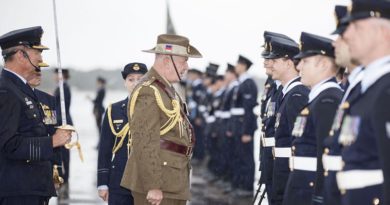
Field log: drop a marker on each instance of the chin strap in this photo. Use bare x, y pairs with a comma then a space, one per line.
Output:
174, 65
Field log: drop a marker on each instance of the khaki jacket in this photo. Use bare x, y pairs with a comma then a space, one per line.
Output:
149, 166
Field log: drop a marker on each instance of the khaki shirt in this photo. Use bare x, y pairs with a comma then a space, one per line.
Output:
149, 166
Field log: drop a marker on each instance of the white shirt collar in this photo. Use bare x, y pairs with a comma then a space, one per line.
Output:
232, 84
352, 76
219, 92
196, 82
285, 87
19, 76
243, 77
374, 71
278, 83
321, 86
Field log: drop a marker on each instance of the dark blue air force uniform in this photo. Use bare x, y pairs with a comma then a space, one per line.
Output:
292, 100
26, 148
115, 148
111, 166
311, 127
48, 104
242, 111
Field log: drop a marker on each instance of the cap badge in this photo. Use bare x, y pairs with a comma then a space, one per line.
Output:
136, 67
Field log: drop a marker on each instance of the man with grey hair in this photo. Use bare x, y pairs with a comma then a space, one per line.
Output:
26, 147
365, 130
161, 136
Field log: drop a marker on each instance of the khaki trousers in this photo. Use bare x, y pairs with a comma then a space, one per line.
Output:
140, 199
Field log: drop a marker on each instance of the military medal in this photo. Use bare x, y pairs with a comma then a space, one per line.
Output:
349, 130
300, 123
277, 120
271, 109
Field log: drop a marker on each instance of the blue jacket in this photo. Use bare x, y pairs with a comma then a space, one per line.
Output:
25, 145
111, 167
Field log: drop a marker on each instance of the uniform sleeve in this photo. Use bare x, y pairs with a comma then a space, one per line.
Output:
145, 129
12, 144
249, 99
323, 119
297, 102
105, 152
381, 118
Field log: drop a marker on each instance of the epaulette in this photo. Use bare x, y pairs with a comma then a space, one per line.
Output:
148, 82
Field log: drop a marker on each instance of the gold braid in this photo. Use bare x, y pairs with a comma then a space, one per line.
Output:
173, 115
121, 134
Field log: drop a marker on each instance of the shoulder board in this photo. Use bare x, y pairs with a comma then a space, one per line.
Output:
148, 81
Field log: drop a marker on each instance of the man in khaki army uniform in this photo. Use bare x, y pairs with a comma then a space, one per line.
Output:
161, 136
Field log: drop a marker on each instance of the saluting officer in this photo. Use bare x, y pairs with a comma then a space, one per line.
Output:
318, 71
242, 111
26, 147
161, 137
364, 134
332, 153
115, 147
294, 98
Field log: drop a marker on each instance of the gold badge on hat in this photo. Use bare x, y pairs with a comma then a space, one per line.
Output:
188, 49
300, 45
270, 47
136, 67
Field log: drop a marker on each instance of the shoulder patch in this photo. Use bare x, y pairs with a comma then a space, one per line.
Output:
297, 95
327, 100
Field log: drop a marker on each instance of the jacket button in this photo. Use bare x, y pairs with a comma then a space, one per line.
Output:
35, 115
311, 184
165, 163
293, 148
113, 166
325, 173
326, 151
343, 192
375, 201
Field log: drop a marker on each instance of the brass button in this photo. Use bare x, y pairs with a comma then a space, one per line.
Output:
293, 148
326, 173
165, 163
326, 151
35, 115
343, 192
311, 184
375, 201
28, 161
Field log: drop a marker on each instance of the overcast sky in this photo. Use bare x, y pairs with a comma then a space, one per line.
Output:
111, 33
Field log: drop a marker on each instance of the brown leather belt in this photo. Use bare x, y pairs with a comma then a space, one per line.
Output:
174, 147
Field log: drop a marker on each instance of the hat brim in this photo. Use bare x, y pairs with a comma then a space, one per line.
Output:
302, 55
265, 53
40, 47
272, 56
194, 53
340, 30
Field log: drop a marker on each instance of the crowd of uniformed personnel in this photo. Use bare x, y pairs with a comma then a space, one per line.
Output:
325, 139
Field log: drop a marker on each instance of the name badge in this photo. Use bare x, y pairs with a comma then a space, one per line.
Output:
118, 121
